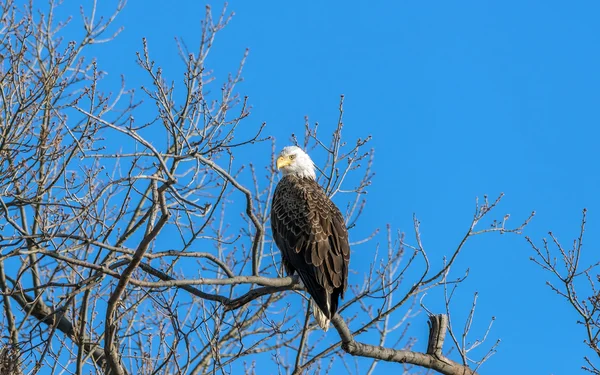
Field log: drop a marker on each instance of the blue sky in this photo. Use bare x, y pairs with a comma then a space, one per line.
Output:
462, 99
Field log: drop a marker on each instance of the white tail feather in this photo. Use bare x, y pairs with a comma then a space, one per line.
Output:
320, 317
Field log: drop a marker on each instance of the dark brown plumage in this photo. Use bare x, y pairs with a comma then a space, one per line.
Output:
311, 233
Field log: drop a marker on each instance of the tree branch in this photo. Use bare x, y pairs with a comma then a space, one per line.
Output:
427, 360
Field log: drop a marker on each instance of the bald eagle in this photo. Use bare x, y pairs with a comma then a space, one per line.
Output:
311, 234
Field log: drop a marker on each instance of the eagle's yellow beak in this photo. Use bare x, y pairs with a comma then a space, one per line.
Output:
283, 161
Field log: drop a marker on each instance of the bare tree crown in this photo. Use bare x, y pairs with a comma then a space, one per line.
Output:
132, 247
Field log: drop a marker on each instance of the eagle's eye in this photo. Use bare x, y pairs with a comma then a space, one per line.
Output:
292, 157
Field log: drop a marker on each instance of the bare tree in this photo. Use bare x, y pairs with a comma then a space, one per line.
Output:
143, 247
576, 282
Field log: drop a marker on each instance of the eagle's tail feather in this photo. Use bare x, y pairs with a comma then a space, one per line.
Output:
320, 317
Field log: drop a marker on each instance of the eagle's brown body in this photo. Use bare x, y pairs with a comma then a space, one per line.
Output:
311, 233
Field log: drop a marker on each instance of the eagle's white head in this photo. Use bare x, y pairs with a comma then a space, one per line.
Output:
293, 161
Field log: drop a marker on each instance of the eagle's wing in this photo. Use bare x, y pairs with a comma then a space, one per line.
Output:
311, 233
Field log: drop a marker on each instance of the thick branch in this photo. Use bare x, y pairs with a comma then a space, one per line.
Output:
438, 326
290, 283
431, 361
259, 292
